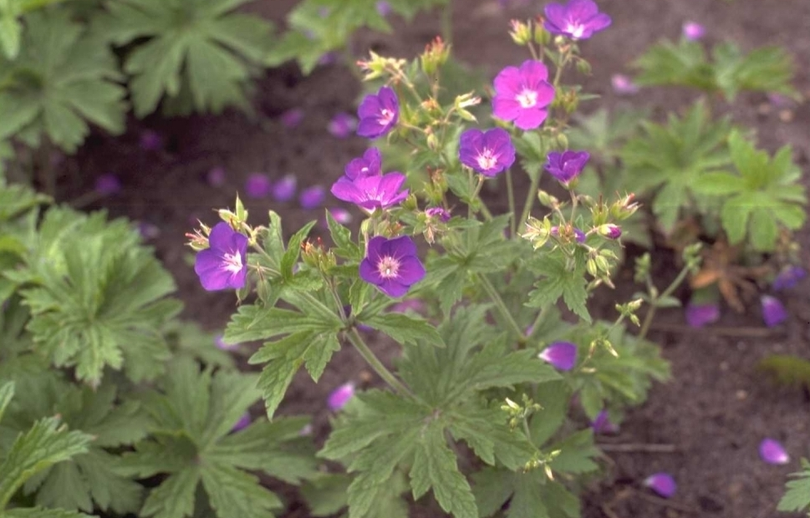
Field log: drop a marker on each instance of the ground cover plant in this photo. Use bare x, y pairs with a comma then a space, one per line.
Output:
481, 278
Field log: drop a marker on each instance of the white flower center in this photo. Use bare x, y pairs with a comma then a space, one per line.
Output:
486, 160
527, 98
388, 267
386, 116
575, 30
233, 262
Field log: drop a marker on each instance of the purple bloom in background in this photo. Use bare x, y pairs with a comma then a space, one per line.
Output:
340, 396
242, 423
662, 484
522, 94
773, 312
148, 230
378, 113
489, 152
327, 58
392, 265
341, 215
578, 234
216, 177
219, 342
610, 231
623, 85
699, 315
438, 212
284, 189
567, 165
771, 451
370, 164
383, 8
292, 117
107, 185
341, 125
257, 185
223, 264
603, 424
151, 141
780, 100
578, 19
312, 197
788, 278
561, 355
693, 31
372, 192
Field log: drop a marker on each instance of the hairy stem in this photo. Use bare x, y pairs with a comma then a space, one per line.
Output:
645, 326
511, 193
499, 303
377, 365
530, 196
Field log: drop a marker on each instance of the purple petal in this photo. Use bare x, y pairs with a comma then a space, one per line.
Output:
530, 118
508, 82
788, 278
341, 125
662, 483
292, 117
284, 189
410, 271
773, 312
312, 197
369, 272
216, 177
340, 396
693, 31
342, 216
562, 355
151, 141
242, 423
437, 212
220, 344
603, 424
771, 451
402, 246
533, 73
699, 315
108, 184
220, 237
257, 185
346, 191
623, 85
393, 288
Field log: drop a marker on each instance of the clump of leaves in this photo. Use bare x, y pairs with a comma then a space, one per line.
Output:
728, 71
98, 301
765, 194
197, 54
669, 158
63, 78
10, 26
797, 497
192, 443
46, 443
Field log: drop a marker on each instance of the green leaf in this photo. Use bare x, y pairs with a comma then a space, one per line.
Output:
326, 494
174, 498
577, 452
405, 329
718, 184
342, 238
40, 512
6, 393
797, 496
560, 281
188, 48
236, 494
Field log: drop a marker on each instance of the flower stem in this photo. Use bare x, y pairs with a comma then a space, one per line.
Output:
511, 192
377, 365
645, 326
530, 196
447, 22
499, 303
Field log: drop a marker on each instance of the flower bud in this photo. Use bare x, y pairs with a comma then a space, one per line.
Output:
584, 67
610, 231
592, 268
520, 33
547, 200
435, 55
541, 35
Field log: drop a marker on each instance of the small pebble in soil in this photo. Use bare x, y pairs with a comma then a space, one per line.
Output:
741, 395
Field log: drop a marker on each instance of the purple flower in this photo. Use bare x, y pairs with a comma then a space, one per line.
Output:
284, 189
219, 342
603, 424
312, 197
438, 212
699, 315
340, 396
223, 264
292, 117
662, 483
216, 177
522, 94
370, 164
772, 452
489, 152
561, 355
151, 141
378, 114
693, 31
578, 234
392, 265
788, 277
623, 85
383, 8
242, 423
610, 231
372, 192
341, 125
567, 165
578, 19
257, 185
773, 312
108, 184
342, 216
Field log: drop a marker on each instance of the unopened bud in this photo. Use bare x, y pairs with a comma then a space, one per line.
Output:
592, 268
547, 200
584, 67
610, 231
520, 32
435, 55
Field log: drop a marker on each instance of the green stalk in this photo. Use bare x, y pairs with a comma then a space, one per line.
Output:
377, 365
530, 196
499, 303
511, 193
447, 22
645, 326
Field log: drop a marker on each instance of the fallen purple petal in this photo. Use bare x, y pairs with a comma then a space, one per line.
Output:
257, 185
699, 315
312, 197
292, 117
602, 424
340, 396
773, 312
771, 451
148, 230
107, 185
151, 141
221, 345
662, 484
623, 85
693, 31
284, 189
561, 355
242, 423
789, 277
216, 177
342, 216
342, 125
438, 212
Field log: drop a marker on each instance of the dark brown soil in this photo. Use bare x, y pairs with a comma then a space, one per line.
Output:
716, 409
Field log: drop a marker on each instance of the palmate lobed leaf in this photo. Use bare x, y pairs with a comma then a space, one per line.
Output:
797, 496
192, 46
63, 79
